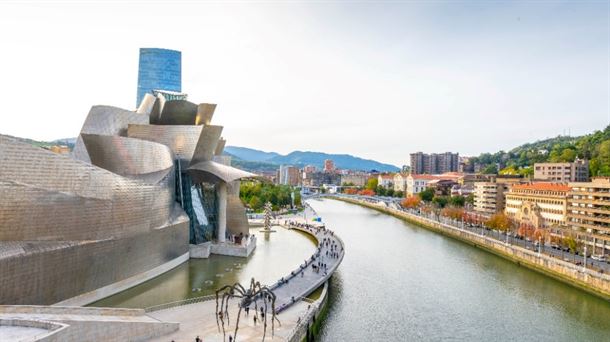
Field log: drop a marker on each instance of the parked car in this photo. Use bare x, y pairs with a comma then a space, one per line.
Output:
598, 257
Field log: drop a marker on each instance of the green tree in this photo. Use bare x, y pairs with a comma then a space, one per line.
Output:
440, 201
255, 203
568, 155
457, 201
470, 199
380, 191
389, 192
399, 194
371, 184
426, 195
490, 169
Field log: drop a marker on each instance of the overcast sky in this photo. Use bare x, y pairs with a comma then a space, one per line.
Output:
374, 79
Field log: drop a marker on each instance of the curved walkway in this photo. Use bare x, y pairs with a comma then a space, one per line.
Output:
199, 319
315, 271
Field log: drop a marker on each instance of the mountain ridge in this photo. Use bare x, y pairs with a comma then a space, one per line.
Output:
303, 158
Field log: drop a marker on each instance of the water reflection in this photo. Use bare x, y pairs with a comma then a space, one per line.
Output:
276, 255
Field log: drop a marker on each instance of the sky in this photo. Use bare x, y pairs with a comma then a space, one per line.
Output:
378, 80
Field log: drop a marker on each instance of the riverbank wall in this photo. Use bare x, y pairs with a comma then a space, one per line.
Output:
591, 281
309, 327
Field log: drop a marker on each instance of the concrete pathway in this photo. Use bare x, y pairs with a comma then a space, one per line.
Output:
199, 320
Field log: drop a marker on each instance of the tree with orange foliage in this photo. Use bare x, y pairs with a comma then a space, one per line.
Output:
453, 213
366, 192
410, 202
350, 191
500, 222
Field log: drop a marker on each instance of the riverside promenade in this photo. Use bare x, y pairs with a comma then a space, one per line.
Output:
197, 317
594, 282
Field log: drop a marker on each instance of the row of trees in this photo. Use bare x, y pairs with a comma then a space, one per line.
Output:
255, 194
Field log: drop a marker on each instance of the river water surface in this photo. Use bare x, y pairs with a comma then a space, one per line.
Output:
399, 282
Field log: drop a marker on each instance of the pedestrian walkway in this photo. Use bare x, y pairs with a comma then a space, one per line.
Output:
313, 272
292, 306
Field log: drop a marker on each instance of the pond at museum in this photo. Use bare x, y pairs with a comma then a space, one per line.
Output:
276, 254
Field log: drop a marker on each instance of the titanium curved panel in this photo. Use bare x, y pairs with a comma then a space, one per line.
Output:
220, 147
212, 172
207, 143
178, 112
106, 120
147, 104
182, 140
155, 112
129, 157
50, 197
205, 112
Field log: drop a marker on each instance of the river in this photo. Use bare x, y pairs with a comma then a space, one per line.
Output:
400, 282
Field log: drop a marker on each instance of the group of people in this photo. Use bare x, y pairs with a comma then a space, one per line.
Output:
240, 238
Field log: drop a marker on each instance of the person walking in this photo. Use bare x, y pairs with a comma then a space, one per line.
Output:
254, 319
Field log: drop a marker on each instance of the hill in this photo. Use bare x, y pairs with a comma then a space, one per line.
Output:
302, 158
595, 147
249, 154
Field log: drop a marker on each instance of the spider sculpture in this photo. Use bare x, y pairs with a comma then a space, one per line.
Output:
253, 294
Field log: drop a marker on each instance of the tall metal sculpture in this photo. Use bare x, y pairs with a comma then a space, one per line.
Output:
253, 294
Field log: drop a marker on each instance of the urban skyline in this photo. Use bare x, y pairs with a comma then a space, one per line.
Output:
149, 227
521, 71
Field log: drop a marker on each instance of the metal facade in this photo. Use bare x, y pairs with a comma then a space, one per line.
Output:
130, 198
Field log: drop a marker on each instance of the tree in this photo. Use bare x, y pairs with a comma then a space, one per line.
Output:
380, 190
399, 194
457, 201
490, 169
410, 202
255, 203
453, 213
426, 195
570, 242
366, 192
568, 155
500, 222
389, 192
470, 199
372, 183
440, 201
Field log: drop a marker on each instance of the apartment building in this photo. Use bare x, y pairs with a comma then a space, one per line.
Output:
578, 171
539, 204
589, 209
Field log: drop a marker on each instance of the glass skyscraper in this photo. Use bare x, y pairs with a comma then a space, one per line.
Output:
159, 69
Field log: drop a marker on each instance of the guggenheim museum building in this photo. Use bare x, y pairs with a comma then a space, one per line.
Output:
123, 207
